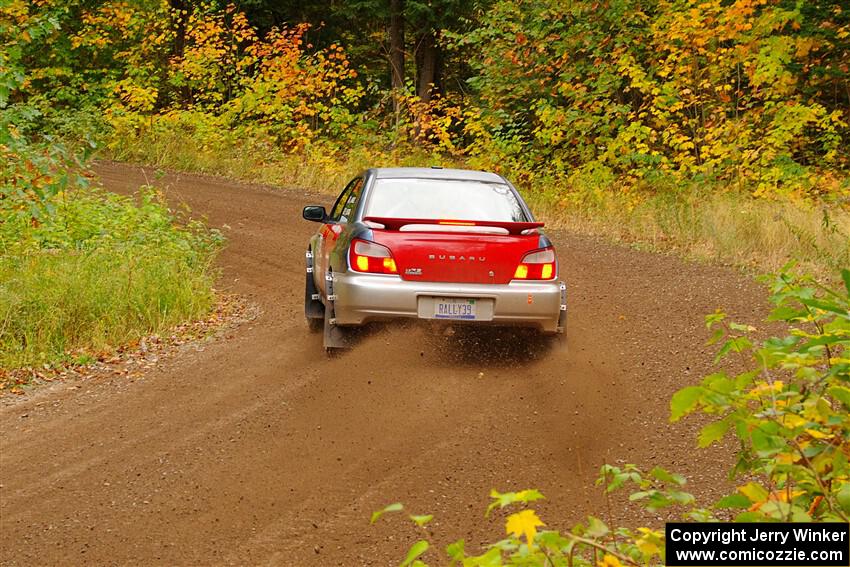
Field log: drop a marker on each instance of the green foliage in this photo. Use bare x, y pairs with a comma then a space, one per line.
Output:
19, 31
418, 519
592, 543
577, 100
396, 507
501, 500
82, 269
693, 90
788, 410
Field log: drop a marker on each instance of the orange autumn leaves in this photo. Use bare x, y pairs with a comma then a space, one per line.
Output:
746, 94
225, 67
298, 88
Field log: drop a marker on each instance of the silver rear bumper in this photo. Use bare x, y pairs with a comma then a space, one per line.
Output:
361, 298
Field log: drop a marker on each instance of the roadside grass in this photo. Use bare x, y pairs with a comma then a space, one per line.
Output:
198, 142
93, 270
707, 223
722, 228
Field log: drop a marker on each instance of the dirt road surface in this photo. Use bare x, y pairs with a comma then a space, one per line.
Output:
259, 450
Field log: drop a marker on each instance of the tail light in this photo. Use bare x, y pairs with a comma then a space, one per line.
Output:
537, 265
372, 258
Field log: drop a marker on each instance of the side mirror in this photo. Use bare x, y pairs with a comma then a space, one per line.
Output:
315, 213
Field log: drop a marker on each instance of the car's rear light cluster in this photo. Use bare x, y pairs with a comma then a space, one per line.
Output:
371, 258
537, 265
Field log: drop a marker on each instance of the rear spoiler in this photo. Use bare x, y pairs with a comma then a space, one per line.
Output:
512, 227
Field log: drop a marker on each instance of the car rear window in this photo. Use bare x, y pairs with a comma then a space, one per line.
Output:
443, 199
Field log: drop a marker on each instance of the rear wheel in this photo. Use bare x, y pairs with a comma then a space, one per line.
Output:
315, 325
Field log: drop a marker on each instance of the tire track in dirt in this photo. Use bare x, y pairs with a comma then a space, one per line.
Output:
260, 450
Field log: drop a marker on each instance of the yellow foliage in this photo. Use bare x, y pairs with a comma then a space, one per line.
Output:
524, 523
609, 560
648, 541
754, 491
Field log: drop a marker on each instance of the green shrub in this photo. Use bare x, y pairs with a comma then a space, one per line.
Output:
85, 269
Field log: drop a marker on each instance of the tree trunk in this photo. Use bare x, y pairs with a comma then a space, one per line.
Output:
428, 66
397, 43
180, 15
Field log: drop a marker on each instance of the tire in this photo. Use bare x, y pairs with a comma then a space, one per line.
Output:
315, 325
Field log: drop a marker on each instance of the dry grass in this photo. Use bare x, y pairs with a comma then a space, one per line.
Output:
716, 226
759, 235
194, 142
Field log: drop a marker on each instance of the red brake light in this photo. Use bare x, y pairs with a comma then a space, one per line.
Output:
537, 265
372, 258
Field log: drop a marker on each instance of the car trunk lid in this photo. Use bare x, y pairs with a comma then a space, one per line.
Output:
457, 251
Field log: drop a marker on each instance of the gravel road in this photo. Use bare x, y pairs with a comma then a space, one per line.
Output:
260, 450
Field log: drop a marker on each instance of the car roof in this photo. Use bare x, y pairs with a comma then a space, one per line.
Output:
436, 173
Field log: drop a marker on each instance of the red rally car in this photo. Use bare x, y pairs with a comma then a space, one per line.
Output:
430, 243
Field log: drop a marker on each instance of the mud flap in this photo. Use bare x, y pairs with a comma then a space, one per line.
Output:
335, 337
562, 316
313, 308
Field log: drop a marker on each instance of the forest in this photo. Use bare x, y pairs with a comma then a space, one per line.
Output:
717, 130
682, 124
635, 96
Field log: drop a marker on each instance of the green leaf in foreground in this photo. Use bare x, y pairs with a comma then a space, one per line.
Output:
713, 432
841, 394
395, 507
415, 551
421, 519
506, 499
734, 501
684, 401
666, 476
596, 528
843, 497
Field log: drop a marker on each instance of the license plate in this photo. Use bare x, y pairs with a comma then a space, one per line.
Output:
454, 308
